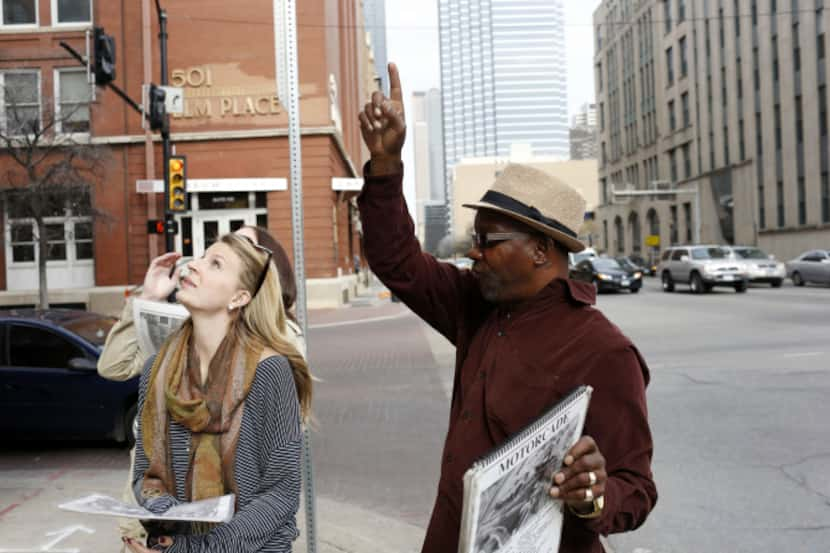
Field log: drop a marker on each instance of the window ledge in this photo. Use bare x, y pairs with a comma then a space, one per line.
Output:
57, 28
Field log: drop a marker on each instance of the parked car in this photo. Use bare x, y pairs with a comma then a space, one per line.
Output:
606, 273
811, 266
702, 268
760, 267
50, 385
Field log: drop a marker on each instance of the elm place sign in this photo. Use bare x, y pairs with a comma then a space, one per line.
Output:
203, 100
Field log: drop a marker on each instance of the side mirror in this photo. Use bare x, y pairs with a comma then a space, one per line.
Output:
82, 364
684, 258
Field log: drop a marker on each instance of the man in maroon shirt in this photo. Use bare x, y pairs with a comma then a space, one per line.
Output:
525, 336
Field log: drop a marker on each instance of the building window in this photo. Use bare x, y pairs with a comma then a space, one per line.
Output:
825, 198
672, 119
684, 103
726, 145
777, 112
667, 16
799, 124
669, 67
687, 161
756, 74
687, 214
779, 188
802, 205
684, 67
762, 212
822, 110
18, 12
741, 143
775, 59
737, 18
681, 11
73, 98
754, 13
72, 11
20, 109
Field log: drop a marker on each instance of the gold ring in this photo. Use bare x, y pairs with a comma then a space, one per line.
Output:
592, 478
589, 495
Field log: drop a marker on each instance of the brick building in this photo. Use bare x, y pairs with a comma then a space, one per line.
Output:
233, 132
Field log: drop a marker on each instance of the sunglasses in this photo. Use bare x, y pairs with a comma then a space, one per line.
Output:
267, 263
484, 240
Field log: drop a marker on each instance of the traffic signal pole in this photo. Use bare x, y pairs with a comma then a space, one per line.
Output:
169, 237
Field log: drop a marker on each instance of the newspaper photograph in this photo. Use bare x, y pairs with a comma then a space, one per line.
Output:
215, 509
155, 321
507, 507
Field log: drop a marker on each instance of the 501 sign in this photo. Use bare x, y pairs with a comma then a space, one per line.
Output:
193, 77
203, 100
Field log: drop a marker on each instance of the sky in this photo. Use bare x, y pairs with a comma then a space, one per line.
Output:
412, 43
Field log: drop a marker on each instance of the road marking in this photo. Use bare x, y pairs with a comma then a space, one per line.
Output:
60, 535
358, 321
804, 354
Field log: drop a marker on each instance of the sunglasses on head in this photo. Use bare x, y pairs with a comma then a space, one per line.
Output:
484, 240
267, 263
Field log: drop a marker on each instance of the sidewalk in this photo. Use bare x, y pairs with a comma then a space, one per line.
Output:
31, 522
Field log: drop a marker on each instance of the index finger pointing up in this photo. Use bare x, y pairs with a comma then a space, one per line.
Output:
395, 91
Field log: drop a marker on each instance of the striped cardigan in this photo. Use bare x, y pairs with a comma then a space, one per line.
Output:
267, 468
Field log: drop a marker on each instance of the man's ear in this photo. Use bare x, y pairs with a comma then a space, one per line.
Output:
542, 251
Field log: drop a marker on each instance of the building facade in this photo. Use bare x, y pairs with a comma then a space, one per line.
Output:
233, 132
720, 108
503, 78
428, 146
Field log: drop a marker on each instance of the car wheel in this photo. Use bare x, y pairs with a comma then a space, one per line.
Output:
797, 280
696, 284
776, 283
130, 425
740, 287
668, 283
635, 290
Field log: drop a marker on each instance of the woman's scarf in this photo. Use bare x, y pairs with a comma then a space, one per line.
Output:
212, 411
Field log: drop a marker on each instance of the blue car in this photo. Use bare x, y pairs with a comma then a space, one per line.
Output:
49, 385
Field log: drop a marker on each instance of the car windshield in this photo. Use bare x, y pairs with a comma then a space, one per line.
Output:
93, 329
708, 253
750, 253
603, 264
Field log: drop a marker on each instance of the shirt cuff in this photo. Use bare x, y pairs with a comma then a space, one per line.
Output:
389, 185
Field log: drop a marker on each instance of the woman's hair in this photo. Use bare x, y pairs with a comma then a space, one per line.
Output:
264, 317
289, 285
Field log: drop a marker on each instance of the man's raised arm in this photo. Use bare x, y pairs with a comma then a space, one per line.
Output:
433, 290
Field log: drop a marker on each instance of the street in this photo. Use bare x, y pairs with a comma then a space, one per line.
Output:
737, 399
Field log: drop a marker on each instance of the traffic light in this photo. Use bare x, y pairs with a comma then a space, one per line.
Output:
104, 48
157, 112
155, 226
177, 180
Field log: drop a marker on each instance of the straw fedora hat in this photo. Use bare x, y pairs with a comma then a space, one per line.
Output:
538, 200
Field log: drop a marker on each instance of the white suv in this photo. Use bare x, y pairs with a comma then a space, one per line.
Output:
702, 268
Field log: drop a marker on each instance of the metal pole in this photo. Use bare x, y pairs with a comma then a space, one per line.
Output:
286, 71
169, 237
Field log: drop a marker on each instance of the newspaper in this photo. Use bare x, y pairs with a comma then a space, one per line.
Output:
155, 321
507, 506
215, 509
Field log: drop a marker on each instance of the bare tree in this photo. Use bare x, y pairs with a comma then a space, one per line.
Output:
47, 170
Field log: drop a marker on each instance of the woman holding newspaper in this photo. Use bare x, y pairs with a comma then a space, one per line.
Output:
122, 358
221, 406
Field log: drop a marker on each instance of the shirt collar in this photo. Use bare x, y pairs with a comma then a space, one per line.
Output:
558, 290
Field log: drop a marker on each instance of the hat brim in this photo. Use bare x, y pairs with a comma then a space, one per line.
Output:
571, 244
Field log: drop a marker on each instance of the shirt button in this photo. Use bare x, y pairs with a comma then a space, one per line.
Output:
465, 416
482, 374
501, 333
449, 458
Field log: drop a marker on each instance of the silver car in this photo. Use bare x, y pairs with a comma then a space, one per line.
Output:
702, 268
760, 267
811, 266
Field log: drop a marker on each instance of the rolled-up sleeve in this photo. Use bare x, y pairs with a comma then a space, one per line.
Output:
121, 358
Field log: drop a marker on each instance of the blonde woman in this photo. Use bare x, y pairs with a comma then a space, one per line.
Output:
221, 407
